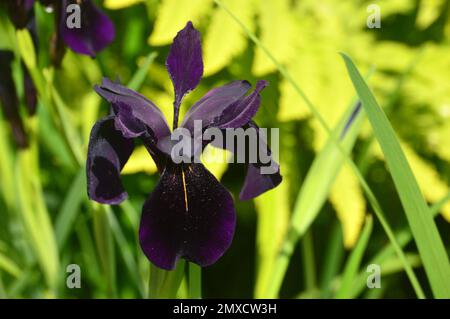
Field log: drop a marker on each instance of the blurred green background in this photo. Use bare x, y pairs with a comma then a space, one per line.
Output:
47, 222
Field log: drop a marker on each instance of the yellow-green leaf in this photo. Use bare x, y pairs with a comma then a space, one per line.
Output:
26, 48
278, 30
428, 12
173, 15
120, 4
273, 218
216, 160
224, 38
348, 200
140, 161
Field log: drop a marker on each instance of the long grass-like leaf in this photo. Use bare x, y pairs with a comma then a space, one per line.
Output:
424, 230
70, 208
354, 261
141, 73
292, 236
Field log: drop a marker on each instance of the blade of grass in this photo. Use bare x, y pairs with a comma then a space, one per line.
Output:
195, 281
333, 259
292, 236
165, 284
323, 172
139, 76
308, 261
424, 230
36, 219
354, 261
126, 252
70, 208
105, 247
9, 266
403, 236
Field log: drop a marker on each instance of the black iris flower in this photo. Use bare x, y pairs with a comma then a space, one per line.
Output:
189, 214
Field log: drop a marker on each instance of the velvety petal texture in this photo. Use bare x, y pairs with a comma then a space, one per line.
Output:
189, 214
185, 63
134, 112
242, 111
96, 31
214, 103
108, 153
257, 181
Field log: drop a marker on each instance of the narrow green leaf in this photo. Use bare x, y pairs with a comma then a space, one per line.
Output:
126, 252
424, 230
195, 281
287, 249
9, 266
105, 246
163, 283
35, 216
323, 172
354, 260
139, 76
70, 208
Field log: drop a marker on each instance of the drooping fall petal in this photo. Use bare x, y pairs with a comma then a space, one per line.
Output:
108, 153
189, 214
260, 177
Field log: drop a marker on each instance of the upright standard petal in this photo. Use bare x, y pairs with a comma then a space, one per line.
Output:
94, 32
189, 214
214, 103
185, 63
242, 111
108, 153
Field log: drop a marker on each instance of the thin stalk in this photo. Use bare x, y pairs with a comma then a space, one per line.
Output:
195, 281
308, 261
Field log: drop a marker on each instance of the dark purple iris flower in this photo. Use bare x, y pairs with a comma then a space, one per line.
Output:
95, 31
189, 214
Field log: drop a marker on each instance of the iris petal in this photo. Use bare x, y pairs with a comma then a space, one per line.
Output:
256, 182
242, 111
108, 153
213, 104
95, 33
185, 63
189, 214
134, 111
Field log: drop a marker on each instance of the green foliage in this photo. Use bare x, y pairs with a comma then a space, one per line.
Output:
306, 238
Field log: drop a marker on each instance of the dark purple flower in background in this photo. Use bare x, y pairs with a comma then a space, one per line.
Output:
189, 214
95, 31
9, 99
